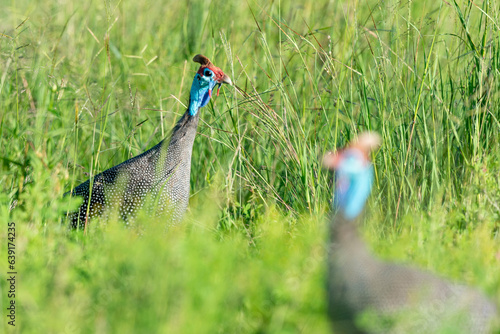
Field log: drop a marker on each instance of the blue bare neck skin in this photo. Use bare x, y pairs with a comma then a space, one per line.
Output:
354, 183
201, 89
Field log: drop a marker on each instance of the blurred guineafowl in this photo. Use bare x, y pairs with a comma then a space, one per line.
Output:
159, 176
397, 298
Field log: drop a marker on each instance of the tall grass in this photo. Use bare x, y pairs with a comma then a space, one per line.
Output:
85, 86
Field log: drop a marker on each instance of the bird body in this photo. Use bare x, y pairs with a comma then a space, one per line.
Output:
407, 300
157, 180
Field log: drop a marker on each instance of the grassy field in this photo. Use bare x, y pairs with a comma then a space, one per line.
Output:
87, 85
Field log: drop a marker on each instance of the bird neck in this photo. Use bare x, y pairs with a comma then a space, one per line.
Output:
201, 92
345, 237
188, 121
192, 110
176, 152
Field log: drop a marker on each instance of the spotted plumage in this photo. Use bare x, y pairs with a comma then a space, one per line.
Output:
359, 284
157, 180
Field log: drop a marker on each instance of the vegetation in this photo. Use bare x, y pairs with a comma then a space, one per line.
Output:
87, 85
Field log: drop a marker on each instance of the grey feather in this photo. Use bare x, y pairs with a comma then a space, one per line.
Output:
156, 181
420, 302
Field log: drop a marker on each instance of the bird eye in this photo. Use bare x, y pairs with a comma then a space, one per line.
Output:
208, 73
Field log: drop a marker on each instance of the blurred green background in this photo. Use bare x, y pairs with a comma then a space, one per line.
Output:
85, 86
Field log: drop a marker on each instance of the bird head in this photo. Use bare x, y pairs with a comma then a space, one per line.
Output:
353, 174
207, 77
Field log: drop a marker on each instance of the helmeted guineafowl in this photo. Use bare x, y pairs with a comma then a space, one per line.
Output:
157, 180
390, 298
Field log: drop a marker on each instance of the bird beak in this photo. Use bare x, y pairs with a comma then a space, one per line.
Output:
225, 79
331, 160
